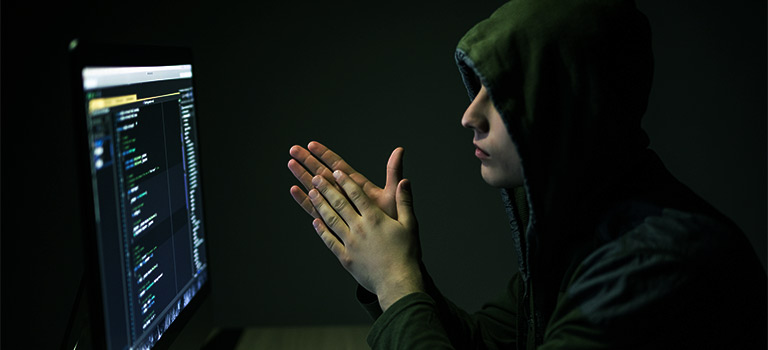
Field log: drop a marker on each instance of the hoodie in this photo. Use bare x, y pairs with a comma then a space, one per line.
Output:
613, 251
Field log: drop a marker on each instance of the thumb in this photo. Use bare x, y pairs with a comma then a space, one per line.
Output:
395, 168
404, 199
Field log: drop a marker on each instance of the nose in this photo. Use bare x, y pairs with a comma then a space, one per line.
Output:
474, 118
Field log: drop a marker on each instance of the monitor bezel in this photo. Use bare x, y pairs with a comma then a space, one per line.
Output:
88, 54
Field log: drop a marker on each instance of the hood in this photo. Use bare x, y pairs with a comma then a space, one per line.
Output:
571, 81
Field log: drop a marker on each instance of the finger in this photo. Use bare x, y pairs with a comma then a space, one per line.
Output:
330, 240
331, 219
335, 162
395, 168
356, 194
310, 163
301, 198
300, 173
336, 199
404, 198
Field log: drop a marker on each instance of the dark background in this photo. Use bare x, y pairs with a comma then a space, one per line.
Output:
362, 78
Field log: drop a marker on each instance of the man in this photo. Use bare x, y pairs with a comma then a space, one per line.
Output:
613, 251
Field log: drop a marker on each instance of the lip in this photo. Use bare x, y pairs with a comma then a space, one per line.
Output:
480, 153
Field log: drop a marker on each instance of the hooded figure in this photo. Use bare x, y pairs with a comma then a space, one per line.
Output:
613, 251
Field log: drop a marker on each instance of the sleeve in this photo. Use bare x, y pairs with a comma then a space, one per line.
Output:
670, 284
623, 302
430, 321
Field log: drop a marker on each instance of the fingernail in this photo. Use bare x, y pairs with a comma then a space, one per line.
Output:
313, 193
315, 224
407, 186
316, 180
337, 174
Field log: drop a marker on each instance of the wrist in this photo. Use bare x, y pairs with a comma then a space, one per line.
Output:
397, 289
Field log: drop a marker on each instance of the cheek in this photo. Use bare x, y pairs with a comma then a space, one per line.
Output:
508, 164
513, 170
508, 169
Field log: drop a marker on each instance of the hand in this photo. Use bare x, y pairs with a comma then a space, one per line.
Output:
380, 252
305, 165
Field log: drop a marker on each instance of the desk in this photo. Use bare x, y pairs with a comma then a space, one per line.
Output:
291, 338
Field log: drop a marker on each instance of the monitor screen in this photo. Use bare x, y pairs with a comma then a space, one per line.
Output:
147, 199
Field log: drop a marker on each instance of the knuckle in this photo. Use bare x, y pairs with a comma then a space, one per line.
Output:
346, 261
357, 227
357, 197
318, 204
354, 194
339, 203
329, 242
373, 218
333, 221
309, 209
336, 164
325, 154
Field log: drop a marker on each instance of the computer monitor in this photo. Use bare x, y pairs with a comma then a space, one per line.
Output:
146, 243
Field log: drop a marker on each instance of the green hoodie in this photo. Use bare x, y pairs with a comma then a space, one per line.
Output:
613, 251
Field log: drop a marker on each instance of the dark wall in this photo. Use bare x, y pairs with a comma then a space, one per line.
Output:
362, 78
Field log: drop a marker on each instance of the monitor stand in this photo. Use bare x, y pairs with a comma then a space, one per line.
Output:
78, 333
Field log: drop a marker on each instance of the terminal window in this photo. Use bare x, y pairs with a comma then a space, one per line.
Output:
144, 162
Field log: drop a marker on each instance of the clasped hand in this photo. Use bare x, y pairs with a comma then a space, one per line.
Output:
372, 231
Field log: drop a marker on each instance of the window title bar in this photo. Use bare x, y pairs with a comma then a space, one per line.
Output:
103, 77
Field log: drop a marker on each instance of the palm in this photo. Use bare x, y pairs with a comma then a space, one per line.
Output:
319, 160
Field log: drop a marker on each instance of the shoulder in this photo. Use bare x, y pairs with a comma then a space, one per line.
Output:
636, 230
667, 260
670, 275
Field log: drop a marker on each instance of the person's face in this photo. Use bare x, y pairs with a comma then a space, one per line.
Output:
500, 163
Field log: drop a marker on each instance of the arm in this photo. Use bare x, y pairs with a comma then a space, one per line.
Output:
429, 319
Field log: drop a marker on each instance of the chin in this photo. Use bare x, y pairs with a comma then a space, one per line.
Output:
498, 179
492, 179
